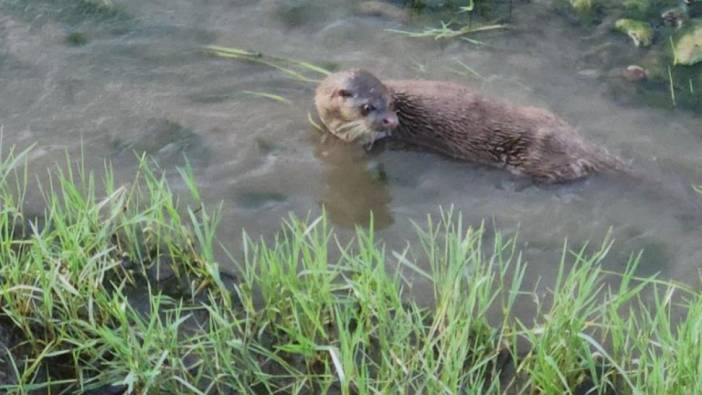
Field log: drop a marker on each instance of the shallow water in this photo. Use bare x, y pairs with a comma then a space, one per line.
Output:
142, 82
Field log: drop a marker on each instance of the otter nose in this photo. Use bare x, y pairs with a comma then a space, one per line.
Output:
390, 121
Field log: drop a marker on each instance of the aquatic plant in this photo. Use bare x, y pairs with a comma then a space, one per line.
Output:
641, 33
296, 69
446, 32
687, 45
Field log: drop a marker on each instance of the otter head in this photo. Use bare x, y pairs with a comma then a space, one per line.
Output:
356, 106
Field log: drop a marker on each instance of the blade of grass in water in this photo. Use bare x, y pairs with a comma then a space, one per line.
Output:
278, 98
671, 85
313, 123
468, 8
285, 65
255, 59
467, 71
245, 53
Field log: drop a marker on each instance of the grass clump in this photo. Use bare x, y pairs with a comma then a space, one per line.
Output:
119, 287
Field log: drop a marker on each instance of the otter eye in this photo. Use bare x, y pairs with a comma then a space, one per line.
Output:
366, 109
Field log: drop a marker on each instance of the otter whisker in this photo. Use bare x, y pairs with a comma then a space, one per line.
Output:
348, 125
353, 130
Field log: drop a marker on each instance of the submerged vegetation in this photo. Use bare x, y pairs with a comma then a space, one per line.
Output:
121, 288
461, 24
446, 32
297, 70
667, 29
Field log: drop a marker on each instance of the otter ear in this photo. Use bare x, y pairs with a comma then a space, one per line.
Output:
343, 93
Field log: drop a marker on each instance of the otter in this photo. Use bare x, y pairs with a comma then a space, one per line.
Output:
458, 122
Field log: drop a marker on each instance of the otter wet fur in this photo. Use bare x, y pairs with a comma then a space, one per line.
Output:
461, 123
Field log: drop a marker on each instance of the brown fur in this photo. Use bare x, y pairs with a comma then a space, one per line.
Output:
461, 123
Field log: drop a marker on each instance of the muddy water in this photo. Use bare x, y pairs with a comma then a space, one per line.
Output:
136, 79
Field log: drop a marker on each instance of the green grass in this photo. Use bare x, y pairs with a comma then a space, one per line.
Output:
310, 312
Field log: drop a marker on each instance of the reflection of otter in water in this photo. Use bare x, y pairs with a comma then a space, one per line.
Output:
457, 121
353, 189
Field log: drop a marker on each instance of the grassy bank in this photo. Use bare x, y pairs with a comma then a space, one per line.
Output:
117, 287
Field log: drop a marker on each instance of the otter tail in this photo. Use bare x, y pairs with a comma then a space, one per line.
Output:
667, 185
605, 162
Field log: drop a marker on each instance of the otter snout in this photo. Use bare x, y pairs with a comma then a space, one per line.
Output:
385, 121
390, 120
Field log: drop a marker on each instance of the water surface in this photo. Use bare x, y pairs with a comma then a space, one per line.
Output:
137, 79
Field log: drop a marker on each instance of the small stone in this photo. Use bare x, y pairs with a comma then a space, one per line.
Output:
634, 73
589, 73
640, 32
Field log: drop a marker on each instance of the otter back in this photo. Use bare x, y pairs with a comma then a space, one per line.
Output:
459, 122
